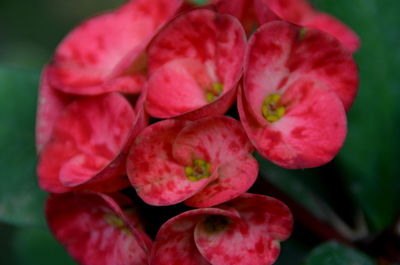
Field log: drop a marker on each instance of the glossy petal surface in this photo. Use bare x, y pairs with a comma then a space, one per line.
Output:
83, 145
94, 229
189, 57
104, 53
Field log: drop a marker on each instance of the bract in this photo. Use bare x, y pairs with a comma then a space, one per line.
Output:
95, 230
106, 53
245, 231
89, 145
295, 85
204, 163
188, 59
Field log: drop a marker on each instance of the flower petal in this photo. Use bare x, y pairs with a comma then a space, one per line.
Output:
300, 12
202, 43
88, 61
280, 52
250, 240
152, 170
92, 230
310, 134
222, 142
174, 243
51, 103
89, 128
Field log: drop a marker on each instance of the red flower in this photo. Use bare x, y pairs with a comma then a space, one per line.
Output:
89, 145
244, 231
105, 53
195, 63
302, 13
203, 163
95, 230
297, 84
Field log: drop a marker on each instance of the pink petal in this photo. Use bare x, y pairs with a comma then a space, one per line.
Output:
80, 222
189, 56
88, 61
50, 105
277, 57
293, 11
311, 132
300, 12
223, 143
152, 170
336, 28
251, 240
174, 243
96, 128
242, 10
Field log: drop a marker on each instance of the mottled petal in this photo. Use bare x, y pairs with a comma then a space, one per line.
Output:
89, 59
242, 10
221, 141
51, 103
92, 231
251, 240
88, 138
152, 170
175, 244
187, 63
280, 52
336, 28
300, 12
311, 132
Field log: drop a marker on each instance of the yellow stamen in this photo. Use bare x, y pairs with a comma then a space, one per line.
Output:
199, 170
271, 109
214, 92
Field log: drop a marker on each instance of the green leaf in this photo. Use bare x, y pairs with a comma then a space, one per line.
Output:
333, 253
37, 246
369, 157
21, 201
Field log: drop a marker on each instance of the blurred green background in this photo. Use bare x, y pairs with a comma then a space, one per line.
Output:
363, 181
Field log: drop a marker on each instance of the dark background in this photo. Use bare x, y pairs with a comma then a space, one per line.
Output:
358, 193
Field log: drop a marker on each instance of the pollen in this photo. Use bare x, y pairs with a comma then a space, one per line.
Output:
272, 110
214, 92
199, 170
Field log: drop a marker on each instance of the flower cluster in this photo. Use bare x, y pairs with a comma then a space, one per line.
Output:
288, 67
